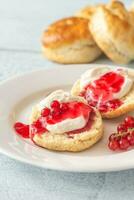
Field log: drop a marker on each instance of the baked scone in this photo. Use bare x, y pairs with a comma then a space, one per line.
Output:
109, 89
69, 41
87, 11
112, 28
76, 128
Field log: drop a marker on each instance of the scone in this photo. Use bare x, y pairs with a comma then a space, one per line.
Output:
70, 124
69, 41
87, 11
109, 89
112, 28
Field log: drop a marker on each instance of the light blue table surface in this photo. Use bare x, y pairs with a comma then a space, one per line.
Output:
21, 24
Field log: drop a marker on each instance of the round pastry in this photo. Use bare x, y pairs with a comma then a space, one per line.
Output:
87, 11
69, 41
112, 28
69, 124
109, 89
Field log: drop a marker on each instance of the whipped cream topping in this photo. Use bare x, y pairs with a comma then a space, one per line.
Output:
95, 73
68, 124
59, 95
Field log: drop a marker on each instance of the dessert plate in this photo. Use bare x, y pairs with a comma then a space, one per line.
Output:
19, 94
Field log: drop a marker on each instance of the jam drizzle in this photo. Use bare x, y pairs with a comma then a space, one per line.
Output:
57, 113
100, 92
87, 126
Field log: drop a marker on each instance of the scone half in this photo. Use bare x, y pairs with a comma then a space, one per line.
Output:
127, 100
74, 143
70, 141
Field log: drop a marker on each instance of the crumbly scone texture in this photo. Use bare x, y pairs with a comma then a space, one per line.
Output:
69, 41
108, 26
128, 100
79, 52
79, 142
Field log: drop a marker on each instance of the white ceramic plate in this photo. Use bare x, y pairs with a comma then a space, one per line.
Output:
19, 94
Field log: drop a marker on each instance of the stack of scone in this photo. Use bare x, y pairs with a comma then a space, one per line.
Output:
94, 30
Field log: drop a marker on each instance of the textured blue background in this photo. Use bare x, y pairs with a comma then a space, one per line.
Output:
21, 24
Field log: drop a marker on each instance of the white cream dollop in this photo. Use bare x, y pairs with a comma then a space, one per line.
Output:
95, 73
67, 124
59, 95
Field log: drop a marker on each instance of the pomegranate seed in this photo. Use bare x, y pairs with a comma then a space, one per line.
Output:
113, 145
22, 129
55, 104
45, 112
124, 144
122, 128
64, 107
129, 121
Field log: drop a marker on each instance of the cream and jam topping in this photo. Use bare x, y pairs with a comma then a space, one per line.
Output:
58, 115
103, 87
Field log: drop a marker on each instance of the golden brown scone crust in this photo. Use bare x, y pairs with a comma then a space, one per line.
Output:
113, 31
128, 100
80, 142
66, 31
69, 41
87, 11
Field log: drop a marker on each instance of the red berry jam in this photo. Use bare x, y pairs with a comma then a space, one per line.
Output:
100, 92
28, 131
123, 139
87, 127
57, 113
45, 112
22, 129
68, 110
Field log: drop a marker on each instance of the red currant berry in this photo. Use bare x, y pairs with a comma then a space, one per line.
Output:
129, 121
112, 136
113, 145
130, 138
55, 113
55, 104
38, 126
122, 128
64, 107
124, 144
50, 120
45, 112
